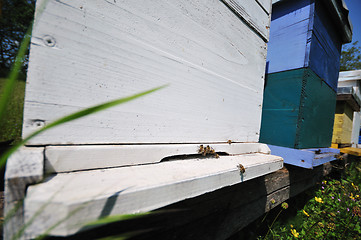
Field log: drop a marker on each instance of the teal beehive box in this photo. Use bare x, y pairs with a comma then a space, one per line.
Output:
298, 110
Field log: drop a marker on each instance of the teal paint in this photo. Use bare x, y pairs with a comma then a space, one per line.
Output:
298, 110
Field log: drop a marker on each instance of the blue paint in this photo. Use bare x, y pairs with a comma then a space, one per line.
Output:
303, 35
306, 158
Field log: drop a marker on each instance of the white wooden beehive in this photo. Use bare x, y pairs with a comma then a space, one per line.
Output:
211, 53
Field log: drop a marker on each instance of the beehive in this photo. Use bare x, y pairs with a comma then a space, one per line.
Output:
347, 118
308, 34
302, 66
342, 128
144, 154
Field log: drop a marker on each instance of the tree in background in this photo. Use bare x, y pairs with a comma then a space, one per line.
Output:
15, 19
350, 57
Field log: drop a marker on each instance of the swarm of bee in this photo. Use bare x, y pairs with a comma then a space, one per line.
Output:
207, 151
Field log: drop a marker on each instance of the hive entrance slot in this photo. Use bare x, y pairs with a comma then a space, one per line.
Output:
192, 156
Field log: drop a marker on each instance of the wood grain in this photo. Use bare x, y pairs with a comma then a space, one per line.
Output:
88, 52
81, 197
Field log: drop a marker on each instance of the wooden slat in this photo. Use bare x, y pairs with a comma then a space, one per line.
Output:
255, 13
86, 53
289, 36
219, 214
78, 158
351, 151
325, 49
85, 196
305, 158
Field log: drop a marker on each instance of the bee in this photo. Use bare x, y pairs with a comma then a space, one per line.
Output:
229, 142
207, 150
200, 149
241, 168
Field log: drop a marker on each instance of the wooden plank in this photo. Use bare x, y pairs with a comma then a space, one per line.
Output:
298, 110
356, 124
23, 168
254, 13
326, 46
351, 151
130, 188
281, 103
316, 120
86, 53
219, 214
306, 158
289, 35
266, 5
78, 158
342, 129
294, 156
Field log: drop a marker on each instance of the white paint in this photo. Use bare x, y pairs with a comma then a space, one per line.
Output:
254, 12
24, 167
356, 124
88, 52
351, 79
75, 158
80, 197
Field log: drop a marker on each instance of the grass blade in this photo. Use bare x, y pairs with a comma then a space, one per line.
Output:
115, 218
75, 116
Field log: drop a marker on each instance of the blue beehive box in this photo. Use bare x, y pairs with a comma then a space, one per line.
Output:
308, 34
303, 61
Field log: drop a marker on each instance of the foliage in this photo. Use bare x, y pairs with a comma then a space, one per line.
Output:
11, 125
350, 57
333, 213
15, 18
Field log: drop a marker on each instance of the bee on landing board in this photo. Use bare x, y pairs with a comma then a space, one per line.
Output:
241, 168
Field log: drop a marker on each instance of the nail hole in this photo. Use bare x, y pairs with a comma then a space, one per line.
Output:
49, 41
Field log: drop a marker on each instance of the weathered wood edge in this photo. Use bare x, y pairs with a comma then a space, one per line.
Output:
306, 158
87, 157
159, 185
23, 168
219, 214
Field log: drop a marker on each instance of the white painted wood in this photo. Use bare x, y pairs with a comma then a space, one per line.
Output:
80, 197
88, 52
75, 158
255, 13
24, 167
266, 5
351, 79
356, 124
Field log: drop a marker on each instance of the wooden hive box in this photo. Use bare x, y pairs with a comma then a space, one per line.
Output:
342, 128
302, 66
144, 154
298, 110
308, 34
347, 118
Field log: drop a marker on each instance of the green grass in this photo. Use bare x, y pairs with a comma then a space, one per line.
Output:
11, 125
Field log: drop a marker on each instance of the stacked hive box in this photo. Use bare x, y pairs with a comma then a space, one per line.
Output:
302, 65
347, 119
212, 56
